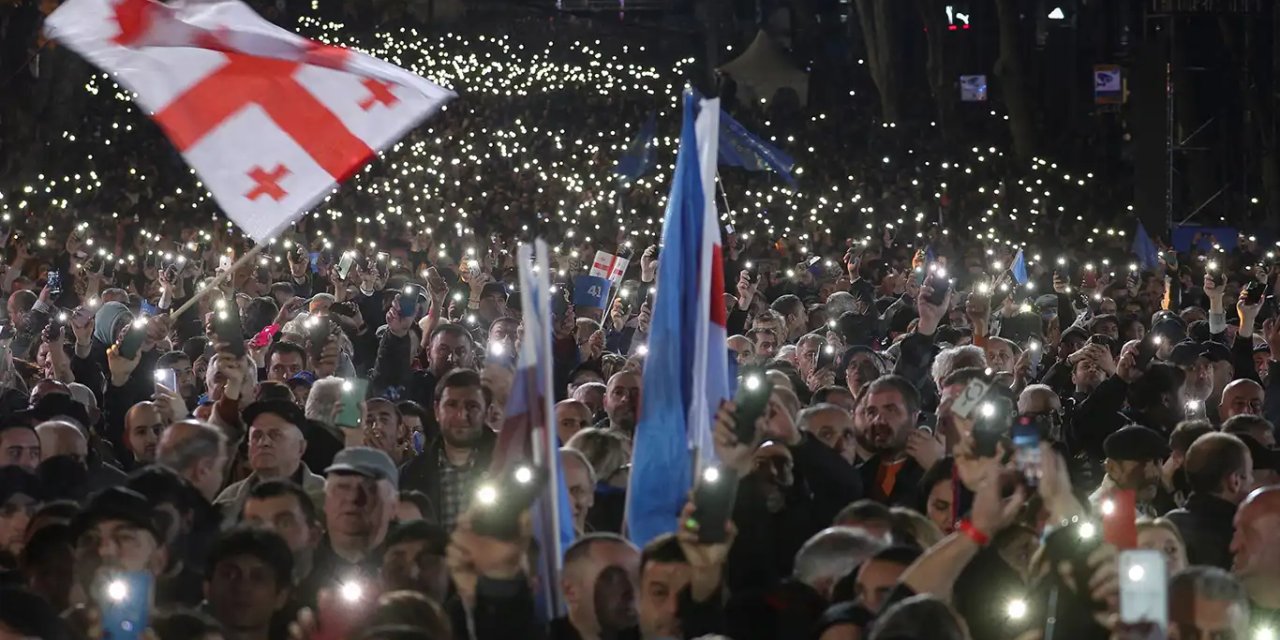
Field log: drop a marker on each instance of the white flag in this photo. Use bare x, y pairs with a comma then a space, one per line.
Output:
269, 120
607, 265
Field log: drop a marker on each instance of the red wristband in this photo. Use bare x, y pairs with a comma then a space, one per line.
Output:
979, 538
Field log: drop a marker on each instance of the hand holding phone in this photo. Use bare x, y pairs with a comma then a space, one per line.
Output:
498, 504
167, 378
713, 499
752, 399
353, 393
1144, 597
132, 340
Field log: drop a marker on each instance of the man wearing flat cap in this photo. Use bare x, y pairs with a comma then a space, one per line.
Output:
1133, 457
116, 531
360, 499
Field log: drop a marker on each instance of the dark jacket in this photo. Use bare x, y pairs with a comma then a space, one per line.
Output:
423, 472
1206, 526
906, 488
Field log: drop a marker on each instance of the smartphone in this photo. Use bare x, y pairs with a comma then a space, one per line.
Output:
752, 399
966, 404
353, 393
226, 324
54, 283
941, 286
1037, 353
1147, 350
338, 615
317, 335
1119, 519
1026, 436
1144, 596
409, 301
225, 261
498, 504
133, 338
314, 259
1253, 292
57, 322
344, 265
419, 441
167, 378
713, 499
1171, 259
125, 603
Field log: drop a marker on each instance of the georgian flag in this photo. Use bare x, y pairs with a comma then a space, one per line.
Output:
269, 120
608, 266
686, 373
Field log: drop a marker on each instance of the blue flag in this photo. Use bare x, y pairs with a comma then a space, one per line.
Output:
686, 371
639, 156
1146, 251
1019, 268
740, 148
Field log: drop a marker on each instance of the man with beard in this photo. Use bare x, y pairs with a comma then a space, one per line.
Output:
1134, 454
116, 531
1220, 470
862, 365
449, 466
622, 402
891, 410
1196, 361
449, 347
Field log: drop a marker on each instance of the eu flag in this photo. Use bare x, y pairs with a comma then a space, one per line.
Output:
741, 148
638, 158
1146, 251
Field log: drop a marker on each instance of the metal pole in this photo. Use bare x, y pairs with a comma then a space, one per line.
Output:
217, 282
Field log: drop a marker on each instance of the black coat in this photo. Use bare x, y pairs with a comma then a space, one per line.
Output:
423, 472
1206, 526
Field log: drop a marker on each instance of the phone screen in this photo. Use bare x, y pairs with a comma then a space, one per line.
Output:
1144, 597
344, 265
126, 604
167, 378
1025, 435
353, 392
54, 282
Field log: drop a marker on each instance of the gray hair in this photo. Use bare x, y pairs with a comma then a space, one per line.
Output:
604, 450
920, 616
577, 455
802, 419
1210, 583
206, 442
950, 360
322, 402
839, 303
833, 553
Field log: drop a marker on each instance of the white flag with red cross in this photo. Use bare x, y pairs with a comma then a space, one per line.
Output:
607, 265
269, 120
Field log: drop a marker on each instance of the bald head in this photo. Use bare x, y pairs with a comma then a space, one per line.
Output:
197, 451
1038, 398
61, 439
1241, 397
622, 401
1256, 543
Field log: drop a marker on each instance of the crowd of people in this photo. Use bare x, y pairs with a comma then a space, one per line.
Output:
948, 449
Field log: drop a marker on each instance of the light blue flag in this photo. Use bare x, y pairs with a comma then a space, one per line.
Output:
1019, 268
1145, 250
639, 156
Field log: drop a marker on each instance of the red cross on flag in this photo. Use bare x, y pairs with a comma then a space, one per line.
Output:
607, 265
270, 120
